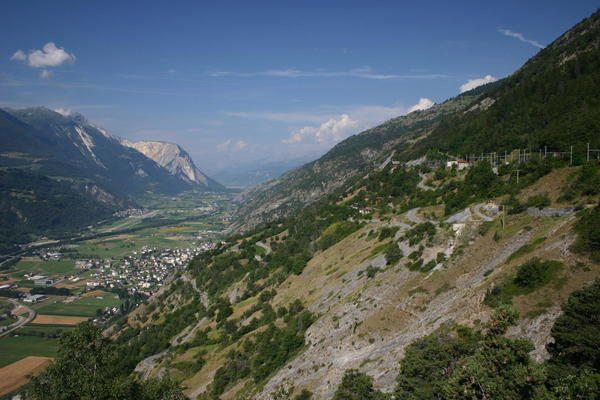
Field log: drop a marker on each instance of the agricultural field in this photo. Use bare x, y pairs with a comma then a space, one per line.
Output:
47, 329
14, 348
83, 307
17, 374
43, 321
62, 267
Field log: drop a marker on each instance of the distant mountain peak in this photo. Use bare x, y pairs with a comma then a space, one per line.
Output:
173, 158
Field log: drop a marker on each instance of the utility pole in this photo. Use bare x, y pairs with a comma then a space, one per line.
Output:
588, 152
571, 161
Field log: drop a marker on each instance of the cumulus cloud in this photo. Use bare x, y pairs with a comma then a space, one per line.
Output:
516, 35
19, 55
45, 74
48, 56
232, 146
329, 132
423, 104
473, 83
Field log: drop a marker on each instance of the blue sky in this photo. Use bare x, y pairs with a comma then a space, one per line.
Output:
241, 81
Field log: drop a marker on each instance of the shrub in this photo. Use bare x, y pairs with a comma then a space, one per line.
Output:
530, 276
538, 201
357, 386
588, 233
388, 232
393, 254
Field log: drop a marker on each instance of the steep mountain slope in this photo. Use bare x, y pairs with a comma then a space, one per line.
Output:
553, 101
294, 305
61, 172
175, 160
394, 254
91, 152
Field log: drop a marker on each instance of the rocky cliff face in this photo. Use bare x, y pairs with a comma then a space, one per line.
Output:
174, 159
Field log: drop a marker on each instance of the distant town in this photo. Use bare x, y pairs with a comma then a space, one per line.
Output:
144, 271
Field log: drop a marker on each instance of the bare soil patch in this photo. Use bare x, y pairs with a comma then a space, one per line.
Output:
70, 285
95, 293
58, 320
15, 375
20, 311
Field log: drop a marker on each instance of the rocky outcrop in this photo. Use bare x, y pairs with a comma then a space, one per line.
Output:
174, 159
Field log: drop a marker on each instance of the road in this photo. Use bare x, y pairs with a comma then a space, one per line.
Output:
146, 366
413, 217
477, 210
20, 319
421, 185
264, 246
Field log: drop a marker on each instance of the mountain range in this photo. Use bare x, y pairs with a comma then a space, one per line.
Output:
550, 102
79, 161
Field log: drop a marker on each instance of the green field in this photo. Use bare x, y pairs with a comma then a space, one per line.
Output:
14, 348
84, 307
46, 328
62, 267
116, 248
8, 321
106, 249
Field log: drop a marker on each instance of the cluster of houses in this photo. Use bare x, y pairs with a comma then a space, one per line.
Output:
130, 212
51, 255
144, 271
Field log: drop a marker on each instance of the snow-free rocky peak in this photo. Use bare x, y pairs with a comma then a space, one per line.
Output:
173, 158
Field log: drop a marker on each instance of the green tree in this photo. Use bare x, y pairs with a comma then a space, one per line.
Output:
576, 332
430, 361
501, 368
86, 368
357, 386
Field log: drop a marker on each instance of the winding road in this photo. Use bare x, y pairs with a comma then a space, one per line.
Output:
421, 185
264, 246
21, 320
477, 211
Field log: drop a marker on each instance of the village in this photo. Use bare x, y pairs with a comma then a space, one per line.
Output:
144, 271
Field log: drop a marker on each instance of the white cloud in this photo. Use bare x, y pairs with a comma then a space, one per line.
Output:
329, 132
48, 56
516, 35
473, 83
232, 146
365, 72
18, 56
65, 112
45, 74
423, 104
328, 128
